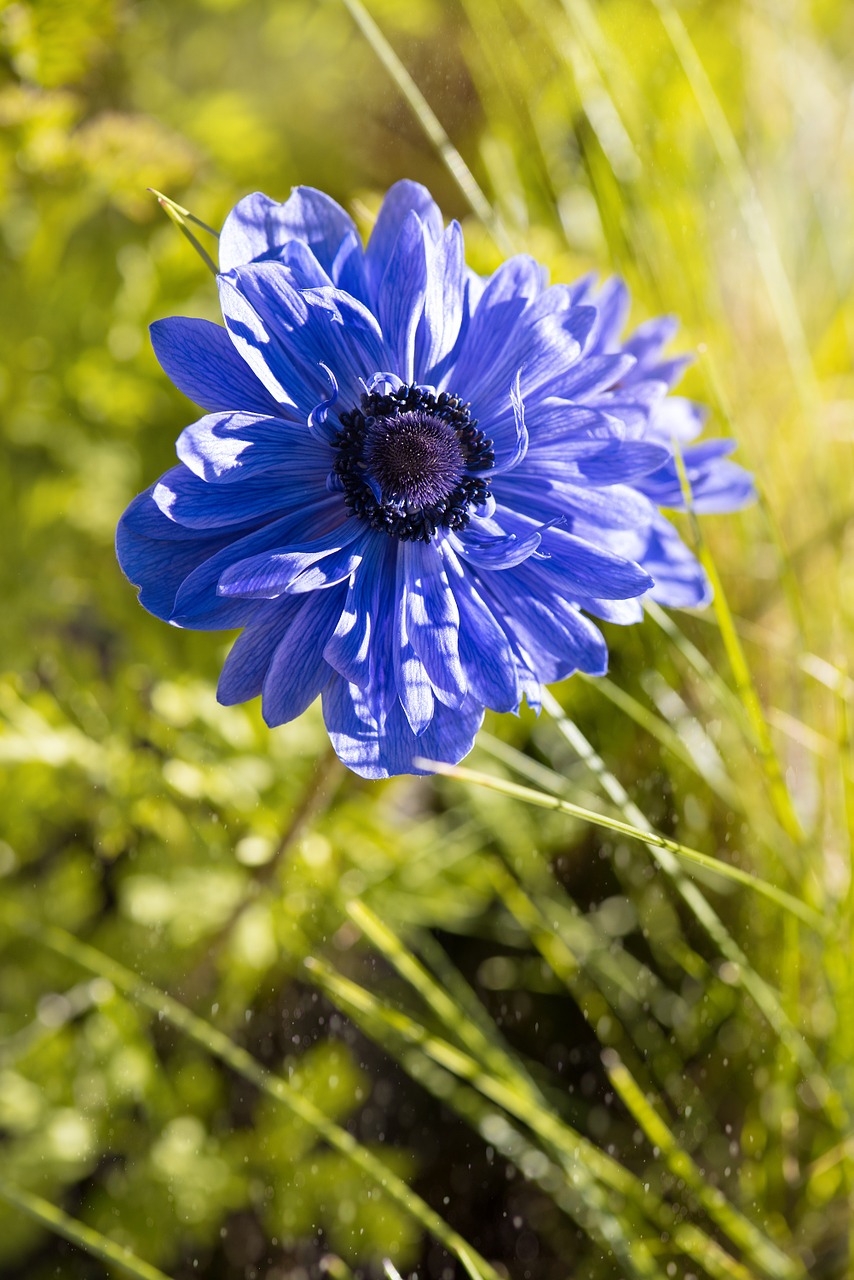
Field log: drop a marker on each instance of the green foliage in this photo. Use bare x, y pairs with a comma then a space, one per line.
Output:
427, 1021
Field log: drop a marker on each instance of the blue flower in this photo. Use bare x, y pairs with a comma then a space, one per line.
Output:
413, 487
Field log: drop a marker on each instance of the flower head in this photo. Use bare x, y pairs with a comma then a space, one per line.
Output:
412, 487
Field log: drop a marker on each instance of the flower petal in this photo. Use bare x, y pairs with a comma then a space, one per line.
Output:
245, 669
383, 753
258, 227
224, 447
199, 603
296, 569
401, 199
400, 300
298, 670
439, 329
486, 653
433, 620
288, 335
201, 360
189, 501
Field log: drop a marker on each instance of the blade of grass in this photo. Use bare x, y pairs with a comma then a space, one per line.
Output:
762, 1252
182, 219
756, 987
752, 210
782, 801
648, 837
79, 1233
430, 123
579, 1160
242, 1063
563, 1142
715, 778
535, 1114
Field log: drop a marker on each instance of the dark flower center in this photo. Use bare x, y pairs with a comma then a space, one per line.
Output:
406, 460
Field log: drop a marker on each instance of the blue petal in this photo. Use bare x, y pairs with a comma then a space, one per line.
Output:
612, 306
589, 376
191, 502
489, 547
563, 431
294, 570
646, 344
402, 198
439, 330
361, 646
575, 565
304, 270
433, 620
485, 651
508, 458
288, 335
623, 462
716, 484
680, 581
158, 566
620, 612
676, 417
503, 302
411, 680
298, 670
550, 629
545, 347
258, 227
535, 495
244, 671
224, 447
201, 360
383, 753
198, 602
400, 301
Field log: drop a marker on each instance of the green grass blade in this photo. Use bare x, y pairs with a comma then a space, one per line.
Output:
574, 1153
430, 123
220, 1046
182, 219
78, 1233
581, 1162
762, 994
762, 1252
741, 671
752, 210
648, 837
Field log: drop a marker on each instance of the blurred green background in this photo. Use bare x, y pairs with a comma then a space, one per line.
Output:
705, 151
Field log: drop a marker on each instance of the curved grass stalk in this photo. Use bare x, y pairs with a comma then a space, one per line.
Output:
497, 1061
740, 1230
562, 1143
756, 987
699, 663
182, 219
578, 1163
741, 671
762, 1252
647, 836
618, 976
752, 210
78, 1233
430, 123
553, 931
220, 1046
716, 780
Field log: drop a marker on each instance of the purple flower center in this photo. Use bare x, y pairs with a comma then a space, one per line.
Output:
406, 462
415, 459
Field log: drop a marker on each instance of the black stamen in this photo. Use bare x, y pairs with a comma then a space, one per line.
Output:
405, 461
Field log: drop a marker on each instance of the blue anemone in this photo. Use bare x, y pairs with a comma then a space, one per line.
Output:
412, 486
